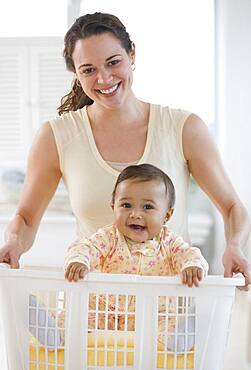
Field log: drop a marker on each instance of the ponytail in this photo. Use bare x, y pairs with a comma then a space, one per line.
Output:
75, 99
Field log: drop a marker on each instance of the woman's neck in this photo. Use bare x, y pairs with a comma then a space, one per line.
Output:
132, 110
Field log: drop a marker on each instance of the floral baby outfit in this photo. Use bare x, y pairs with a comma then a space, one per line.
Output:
109, 251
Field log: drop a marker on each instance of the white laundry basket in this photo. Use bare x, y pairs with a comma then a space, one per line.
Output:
138, 347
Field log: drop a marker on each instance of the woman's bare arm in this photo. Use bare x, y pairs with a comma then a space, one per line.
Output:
206, 167
42, 178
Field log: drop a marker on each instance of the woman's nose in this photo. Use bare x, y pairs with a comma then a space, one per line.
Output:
104, 77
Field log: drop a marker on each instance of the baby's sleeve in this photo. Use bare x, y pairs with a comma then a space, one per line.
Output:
91, 252
78, 252
183, 255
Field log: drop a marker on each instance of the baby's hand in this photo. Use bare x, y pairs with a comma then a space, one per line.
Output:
76, 271
191, 276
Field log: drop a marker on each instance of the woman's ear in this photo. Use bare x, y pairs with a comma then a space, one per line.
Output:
169, 214
132, 53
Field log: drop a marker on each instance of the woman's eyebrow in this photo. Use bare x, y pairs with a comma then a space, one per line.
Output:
107, 59
115, 55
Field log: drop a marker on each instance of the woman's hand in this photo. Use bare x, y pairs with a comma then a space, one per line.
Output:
235, 262
76, 271
11, 251
192, 276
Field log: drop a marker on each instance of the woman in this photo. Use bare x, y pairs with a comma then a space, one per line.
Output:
103, 129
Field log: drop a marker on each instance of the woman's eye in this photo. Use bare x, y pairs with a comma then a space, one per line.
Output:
148, 206
114, 62
87, 71
126, 205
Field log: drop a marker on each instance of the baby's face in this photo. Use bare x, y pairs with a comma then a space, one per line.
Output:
140, 209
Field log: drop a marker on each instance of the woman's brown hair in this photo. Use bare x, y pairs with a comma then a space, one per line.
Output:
86, 26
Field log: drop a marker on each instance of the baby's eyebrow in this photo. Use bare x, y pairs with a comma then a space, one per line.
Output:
149, 201
123, 199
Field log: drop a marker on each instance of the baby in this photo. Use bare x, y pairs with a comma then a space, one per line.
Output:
139, 241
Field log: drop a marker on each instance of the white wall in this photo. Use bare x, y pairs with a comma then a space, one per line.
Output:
234, 91
233, 32
233, 100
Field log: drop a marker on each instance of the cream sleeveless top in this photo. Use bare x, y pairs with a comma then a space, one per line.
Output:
89, 179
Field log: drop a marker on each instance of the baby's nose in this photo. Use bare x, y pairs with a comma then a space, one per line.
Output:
135, 214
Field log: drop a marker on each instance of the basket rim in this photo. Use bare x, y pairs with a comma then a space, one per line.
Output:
37, 272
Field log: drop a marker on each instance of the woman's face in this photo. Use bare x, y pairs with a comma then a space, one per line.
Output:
103, 68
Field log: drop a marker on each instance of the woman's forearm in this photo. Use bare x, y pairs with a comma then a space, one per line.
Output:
237, 226
19, 231
237, 229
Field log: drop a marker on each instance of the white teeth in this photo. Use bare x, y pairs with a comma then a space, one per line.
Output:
109, 91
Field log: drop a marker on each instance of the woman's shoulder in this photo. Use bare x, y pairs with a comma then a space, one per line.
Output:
168, 120
71, 118
169, 113
69, 125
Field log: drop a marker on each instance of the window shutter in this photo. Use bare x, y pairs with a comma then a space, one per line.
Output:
50, 81
33, 79
13, 102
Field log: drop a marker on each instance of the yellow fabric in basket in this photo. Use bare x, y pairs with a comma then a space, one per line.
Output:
57, 356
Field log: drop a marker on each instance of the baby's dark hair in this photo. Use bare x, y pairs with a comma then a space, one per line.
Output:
146, 172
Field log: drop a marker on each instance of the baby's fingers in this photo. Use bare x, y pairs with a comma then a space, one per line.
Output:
76, 275
187, 277
200, 274
192, 276
75, 271
196, 278
67, 272
83, 272
184, 277
197, 275
70, 273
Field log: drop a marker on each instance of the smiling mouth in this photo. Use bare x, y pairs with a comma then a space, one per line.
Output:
137, 227
109, 91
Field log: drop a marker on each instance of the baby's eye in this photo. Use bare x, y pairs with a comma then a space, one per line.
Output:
126, 205
148, 206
